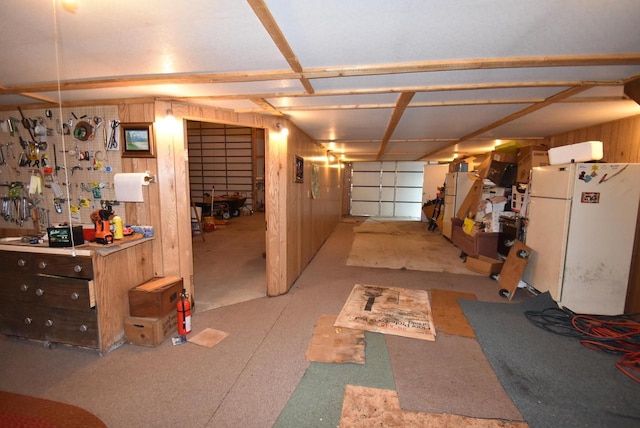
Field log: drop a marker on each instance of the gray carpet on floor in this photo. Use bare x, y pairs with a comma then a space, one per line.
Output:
317, 401
432, 376
553, 380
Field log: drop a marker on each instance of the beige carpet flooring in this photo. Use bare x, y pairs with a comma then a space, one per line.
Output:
404, 245
247, 378
229, 266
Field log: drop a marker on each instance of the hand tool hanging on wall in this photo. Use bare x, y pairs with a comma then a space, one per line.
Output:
10, 149
113, 142
27, 124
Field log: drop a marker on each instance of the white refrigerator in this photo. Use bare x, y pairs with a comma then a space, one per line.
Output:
457, 186
581, 225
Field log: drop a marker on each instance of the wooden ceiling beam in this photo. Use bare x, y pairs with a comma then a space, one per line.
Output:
266, 106
528, 110
403, 101
266, 18
434, 88
330, 72
476, 64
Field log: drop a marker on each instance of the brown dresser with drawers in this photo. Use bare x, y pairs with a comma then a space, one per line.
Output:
57, 296
49, 297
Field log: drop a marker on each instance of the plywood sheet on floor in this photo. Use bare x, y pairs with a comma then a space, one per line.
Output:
389, 310
330, 344
447, 313
404, 245
372, 407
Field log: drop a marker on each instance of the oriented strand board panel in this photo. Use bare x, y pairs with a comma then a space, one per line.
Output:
514, 267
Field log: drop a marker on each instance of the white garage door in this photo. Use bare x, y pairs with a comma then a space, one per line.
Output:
387, 189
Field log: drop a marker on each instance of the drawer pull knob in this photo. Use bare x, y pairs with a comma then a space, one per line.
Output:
39, 292
24, 287
77, 268
48, 323
22, 262
83, 328
42, 265
74, 296
28, 320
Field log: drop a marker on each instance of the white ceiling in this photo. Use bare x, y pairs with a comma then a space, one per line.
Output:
377, 79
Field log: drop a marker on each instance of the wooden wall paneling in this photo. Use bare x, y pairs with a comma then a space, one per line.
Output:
290, 245
276, 182
144, 213
346, 190
173, 182
136, 112
634, 141
620, 138
115, 275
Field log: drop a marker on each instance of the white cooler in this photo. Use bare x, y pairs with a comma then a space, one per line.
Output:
579, 152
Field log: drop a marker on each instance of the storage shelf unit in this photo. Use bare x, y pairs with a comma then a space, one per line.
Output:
221, 157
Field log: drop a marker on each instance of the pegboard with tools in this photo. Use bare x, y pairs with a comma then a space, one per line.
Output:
57, 165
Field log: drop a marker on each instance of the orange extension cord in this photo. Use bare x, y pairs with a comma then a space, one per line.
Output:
618, 335
613, 335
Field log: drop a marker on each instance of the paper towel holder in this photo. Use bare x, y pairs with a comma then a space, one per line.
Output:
149, 178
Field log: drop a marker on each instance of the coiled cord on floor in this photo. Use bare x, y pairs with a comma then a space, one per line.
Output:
618, 334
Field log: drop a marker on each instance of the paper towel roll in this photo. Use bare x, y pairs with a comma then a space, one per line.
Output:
128, 186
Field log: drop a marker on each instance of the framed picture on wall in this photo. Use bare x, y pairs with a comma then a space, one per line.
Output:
137, 140
315, 181
299, 168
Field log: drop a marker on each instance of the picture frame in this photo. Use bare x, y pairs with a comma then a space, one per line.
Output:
315, 181
137, 140
299, 170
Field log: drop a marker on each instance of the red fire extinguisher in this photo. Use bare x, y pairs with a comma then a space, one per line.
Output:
184, 314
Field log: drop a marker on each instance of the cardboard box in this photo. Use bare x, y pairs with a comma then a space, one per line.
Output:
150, 331
496, 160
484, 265
502, 173
155, 298
504, 157
529, 157
517, 198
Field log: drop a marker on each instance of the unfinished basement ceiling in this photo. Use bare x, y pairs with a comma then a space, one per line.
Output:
399, 80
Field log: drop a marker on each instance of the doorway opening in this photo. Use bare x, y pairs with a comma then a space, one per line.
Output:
226, 181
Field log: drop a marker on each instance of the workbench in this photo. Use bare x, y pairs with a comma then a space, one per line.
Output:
76, 296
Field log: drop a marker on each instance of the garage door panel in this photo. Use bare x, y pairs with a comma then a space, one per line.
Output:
387, 189
388, 179
365, 194
409, 179
366, 179
408, 194
408, 209
364, 208
386, 209
387, 194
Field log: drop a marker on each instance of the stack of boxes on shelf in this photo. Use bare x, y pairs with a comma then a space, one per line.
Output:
504, 178
152, 310
497, 172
